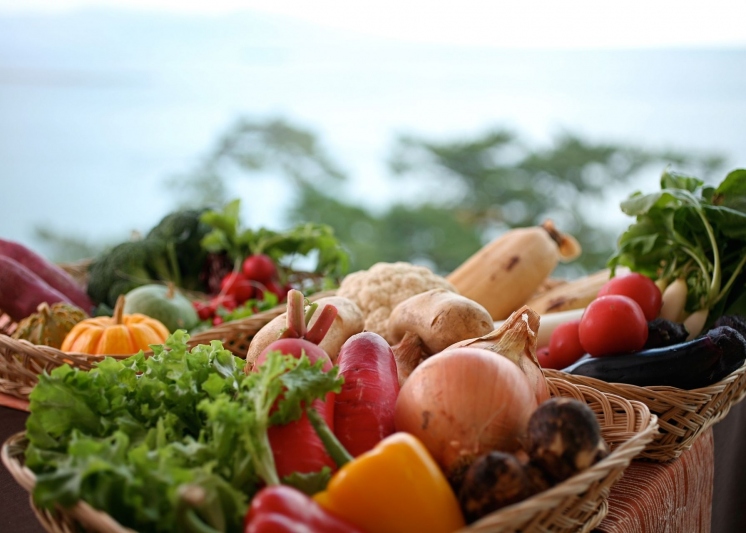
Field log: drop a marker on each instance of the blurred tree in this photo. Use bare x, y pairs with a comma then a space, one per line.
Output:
266, 146
497, 182
465, 191
453, 196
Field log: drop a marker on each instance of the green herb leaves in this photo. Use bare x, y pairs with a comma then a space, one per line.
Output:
130, 435
691, 231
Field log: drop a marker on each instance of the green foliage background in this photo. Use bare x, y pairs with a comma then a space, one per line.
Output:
457, 194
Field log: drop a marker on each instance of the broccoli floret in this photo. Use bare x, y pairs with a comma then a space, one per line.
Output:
171, 251
184, 230
126, 266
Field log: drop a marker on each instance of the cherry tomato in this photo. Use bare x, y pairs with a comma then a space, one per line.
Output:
640, 288
564, 346
612, 324
259, 267
237, 285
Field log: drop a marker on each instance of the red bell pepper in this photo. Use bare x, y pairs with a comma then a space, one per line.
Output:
284, 509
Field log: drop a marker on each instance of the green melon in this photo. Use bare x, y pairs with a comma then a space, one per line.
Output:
164, 303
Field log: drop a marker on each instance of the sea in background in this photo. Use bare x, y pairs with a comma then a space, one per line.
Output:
99, 107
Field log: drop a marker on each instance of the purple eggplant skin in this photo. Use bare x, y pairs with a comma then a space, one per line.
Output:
688, 365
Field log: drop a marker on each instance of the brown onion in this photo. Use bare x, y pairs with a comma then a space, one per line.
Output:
463, 402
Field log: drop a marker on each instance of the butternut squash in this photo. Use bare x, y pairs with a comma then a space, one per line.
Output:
506, 272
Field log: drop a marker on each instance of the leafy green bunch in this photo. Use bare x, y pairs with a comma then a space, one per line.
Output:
692, 231
136, 437
284, 247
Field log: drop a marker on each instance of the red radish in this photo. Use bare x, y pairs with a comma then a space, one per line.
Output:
296, 446
259, 267
364, 408
237, 285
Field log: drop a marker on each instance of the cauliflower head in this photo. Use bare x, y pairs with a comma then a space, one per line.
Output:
383, 286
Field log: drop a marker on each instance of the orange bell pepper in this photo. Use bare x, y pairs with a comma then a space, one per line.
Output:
397, 487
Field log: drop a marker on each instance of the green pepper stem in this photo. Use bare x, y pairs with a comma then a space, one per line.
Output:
334, 448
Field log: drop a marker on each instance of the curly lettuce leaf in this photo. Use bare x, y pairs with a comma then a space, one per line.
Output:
131, 435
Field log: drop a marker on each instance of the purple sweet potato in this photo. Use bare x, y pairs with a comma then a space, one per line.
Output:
53, 275
21, 290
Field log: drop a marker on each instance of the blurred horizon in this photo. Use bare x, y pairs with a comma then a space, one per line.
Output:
98, 106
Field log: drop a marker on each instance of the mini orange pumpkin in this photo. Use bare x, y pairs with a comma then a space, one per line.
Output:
117, 335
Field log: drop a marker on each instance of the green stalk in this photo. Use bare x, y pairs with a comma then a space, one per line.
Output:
714, 290
732, 280
334, 448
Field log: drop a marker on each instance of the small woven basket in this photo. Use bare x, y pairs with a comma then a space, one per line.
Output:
682, 414
21, 362
575, 505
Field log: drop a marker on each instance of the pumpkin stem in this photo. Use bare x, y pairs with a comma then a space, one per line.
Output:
43, 309
119, 310
171, 290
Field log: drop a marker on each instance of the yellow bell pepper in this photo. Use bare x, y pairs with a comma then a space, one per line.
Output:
397, 487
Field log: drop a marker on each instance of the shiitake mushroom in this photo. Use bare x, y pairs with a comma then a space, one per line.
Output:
564, 438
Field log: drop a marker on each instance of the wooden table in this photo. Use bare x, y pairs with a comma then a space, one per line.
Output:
686, 495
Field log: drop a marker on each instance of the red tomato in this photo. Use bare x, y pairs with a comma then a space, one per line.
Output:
640, 288
612, 324
237, 285
259, 267
564, 346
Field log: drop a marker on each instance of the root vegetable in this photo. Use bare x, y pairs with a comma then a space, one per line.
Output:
364, 408
440, 318
348, 321
493, 481
674, 300
575, 294
296, 446
465, 402
516, 339
564, 438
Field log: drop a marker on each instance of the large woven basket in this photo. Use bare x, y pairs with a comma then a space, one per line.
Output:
576, 505
682, 414
21, 362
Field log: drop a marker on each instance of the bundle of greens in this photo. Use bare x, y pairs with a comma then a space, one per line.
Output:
136, 437
692, 232
314, 244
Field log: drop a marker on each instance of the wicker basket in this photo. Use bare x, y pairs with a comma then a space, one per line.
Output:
682, 414
576, 505
21, 362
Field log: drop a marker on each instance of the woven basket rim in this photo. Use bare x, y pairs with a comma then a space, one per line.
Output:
701, 407
611, 467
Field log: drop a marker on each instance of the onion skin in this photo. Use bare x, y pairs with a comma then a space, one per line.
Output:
464, 402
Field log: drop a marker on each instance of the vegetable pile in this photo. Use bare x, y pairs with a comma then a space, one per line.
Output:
407, 401
196, 269
671, 310
206, 441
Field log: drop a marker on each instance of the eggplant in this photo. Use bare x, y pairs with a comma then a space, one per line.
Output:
688, 365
